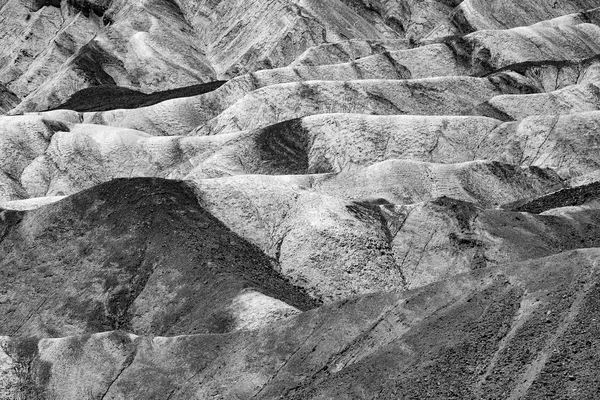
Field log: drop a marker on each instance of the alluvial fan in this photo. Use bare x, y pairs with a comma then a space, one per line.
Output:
299, 199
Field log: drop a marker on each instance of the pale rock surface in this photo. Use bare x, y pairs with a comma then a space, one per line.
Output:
553, 75
238, 44
568, 100
347, 50
277, 103
105, 356
498, 14
29, 204
253, 310
41, 40
178, 117
341, 141
565, 143
90, 154
404, 182
317, 239
338, 142
479, 52
83, 154
162, 45
445, 237
536, 43
413, 19
23, 139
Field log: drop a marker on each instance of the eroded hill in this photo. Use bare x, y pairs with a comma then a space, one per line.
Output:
299, 199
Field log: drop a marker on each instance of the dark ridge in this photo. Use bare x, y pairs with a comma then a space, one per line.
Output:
506, 172
395, 24
591, 16
362, 8
450, 3
8, 99
463, 52
111, 97
485, 109
465, 343
166, 7
379, 211
459, 20
90, 257
373, 11
56, 126
401, 71
463, 211
38, 4
283, 147
33, 373
563, 198
88, 8
8, 220
478, 60
509, 85
90, 60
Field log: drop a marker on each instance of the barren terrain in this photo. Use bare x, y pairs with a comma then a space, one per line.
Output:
299, 199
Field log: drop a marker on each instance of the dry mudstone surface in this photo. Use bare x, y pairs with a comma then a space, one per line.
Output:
299, 199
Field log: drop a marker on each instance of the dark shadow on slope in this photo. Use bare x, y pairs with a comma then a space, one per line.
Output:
8, 99
88, 8
576, 196
283, 147
485, 109
86, 260
112, 97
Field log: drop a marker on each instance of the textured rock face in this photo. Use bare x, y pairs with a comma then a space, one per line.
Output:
480, 15
299, 199
132, 250
404, 340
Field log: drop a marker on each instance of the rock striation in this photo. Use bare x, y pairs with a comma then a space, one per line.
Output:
299, 199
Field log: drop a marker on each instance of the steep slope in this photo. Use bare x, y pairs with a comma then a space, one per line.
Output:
509, 330
139, 255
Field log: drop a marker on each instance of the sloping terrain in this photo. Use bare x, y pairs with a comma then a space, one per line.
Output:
507, 332
120, 244
299, 199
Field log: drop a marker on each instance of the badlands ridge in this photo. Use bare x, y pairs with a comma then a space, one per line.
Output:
299, 199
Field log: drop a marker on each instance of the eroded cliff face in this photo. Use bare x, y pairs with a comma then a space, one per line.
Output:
299, 199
